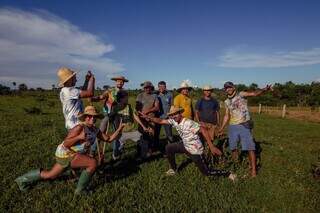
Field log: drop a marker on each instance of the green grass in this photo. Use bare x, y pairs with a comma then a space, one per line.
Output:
284, 182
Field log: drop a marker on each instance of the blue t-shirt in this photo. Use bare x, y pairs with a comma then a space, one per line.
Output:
165, 102
208, 110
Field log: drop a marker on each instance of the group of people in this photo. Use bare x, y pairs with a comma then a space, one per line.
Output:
154, 109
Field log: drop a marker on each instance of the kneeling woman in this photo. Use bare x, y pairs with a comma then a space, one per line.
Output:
73, 152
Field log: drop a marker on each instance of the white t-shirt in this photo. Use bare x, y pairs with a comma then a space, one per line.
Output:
188, 131
71, 105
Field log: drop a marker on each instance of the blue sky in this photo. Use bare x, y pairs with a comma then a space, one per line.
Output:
205, 42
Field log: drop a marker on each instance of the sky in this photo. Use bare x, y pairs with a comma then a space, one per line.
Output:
200, 41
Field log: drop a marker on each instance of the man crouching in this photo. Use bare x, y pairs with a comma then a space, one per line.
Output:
191, 144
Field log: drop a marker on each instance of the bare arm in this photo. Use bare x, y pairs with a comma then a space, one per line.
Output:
155, 108
76, 134
89, 91
214, 150
137, 119
257, 92
197, 116
218, 118
225, 121
104, 96
112, 137
154, 120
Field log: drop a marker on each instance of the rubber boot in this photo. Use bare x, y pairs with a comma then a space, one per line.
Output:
28, 178
83, 182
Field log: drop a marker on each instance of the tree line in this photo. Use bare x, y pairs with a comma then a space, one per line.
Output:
287, 93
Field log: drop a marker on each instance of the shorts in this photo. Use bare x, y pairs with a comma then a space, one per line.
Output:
240, 133
64, 162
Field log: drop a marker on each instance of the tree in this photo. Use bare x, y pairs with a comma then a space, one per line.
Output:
105, 87
14, 85
23, 87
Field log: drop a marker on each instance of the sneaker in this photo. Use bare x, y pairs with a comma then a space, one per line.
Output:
170, 172
232, 177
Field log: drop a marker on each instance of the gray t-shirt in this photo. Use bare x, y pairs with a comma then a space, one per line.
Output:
146, 101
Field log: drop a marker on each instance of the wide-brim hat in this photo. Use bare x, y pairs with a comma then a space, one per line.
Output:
184, 85
175, 110
147, 84
207, 88
65, 74
120, 78
90, 110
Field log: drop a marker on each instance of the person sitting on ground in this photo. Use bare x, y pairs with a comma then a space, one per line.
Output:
190, 145
70, 96
73, 152
184, 100
207, 114
238, 117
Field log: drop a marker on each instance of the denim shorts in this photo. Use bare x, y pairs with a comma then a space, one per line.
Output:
240, 133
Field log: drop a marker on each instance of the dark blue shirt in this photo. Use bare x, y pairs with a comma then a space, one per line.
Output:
208, 110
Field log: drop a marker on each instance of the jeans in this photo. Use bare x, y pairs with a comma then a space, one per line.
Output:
173, 148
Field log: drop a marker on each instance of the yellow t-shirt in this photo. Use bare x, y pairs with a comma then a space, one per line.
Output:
184, 102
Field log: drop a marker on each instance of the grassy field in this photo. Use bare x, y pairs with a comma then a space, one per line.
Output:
284, 182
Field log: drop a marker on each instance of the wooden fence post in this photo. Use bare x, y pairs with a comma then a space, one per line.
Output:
259, 108
284, 111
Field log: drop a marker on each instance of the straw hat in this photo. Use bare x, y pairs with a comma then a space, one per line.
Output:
64, 74
120, 78
207, 88
184, 85
175, 110
89, 110
146, 84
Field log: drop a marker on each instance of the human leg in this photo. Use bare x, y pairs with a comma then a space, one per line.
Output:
248, 144
89, 164
33, 176
171, 150
168, 131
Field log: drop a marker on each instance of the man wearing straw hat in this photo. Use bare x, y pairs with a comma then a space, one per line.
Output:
70, 96
73, 153
184, 101
191, 145
115, 107
207, 114
238, 117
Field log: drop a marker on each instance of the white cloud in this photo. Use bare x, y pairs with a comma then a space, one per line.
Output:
241, 58
33, 45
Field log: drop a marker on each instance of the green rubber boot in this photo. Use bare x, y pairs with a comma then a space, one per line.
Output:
28, 178
83, 182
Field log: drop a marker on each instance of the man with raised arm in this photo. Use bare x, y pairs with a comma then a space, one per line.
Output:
238, 117
70, 96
